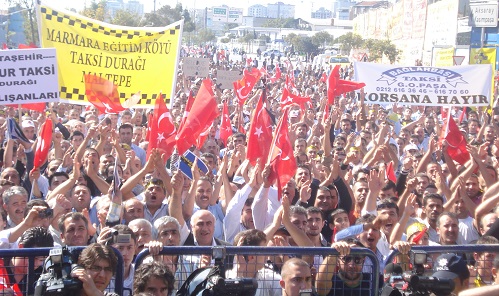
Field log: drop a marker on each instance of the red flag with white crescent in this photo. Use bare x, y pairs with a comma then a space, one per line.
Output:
43, 144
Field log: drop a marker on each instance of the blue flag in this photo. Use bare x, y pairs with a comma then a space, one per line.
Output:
185, 164
14, 131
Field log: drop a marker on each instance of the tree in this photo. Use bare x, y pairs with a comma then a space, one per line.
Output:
265, 38
124, 17
380, 48
205, 36
96, 11
282, 23
322, 38
167, 15
349, 41
247, 38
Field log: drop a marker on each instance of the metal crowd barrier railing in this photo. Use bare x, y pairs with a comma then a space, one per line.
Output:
269, 252
32, 253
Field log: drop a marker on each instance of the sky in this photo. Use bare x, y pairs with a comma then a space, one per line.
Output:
149, 4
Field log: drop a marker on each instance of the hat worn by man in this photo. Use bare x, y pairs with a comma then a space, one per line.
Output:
27, 123
451, 266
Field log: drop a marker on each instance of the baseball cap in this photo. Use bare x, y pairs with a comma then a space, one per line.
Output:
27, 123
411, 147
450, 266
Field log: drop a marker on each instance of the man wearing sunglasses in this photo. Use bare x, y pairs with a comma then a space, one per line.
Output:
349, 278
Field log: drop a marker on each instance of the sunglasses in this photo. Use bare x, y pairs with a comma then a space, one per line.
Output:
356, 260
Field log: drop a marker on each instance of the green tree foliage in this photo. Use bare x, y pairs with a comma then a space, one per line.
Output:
349, 41
282, 23
380, 48
124, 17
301, 44
265, 37
167, 15
28, 12
377, 48
96, 11
204, 36
322, 38
247, 38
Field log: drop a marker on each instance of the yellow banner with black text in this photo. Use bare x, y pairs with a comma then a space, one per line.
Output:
135, 59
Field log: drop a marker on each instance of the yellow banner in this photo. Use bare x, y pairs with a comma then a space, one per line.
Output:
443, 57
485, 56
135, 59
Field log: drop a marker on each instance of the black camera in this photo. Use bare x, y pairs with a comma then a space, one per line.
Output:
56, 278
414, 282
211, 280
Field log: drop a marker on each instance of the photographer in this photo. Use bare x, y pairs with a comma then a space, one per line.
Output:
98, 264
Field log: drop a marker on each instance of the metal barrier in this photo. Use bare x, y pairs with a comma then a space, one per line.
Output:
270, 252
32, 253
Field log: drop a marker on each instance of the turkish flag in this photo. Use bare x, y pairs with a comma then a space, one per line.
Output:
225, 126
162, 135
281, 158
345, 86
204, 110
202, 136
260, 136
43, 144
290, 82
337, 86
244, 86
277, 74
332, 80
390, 172
264, 72
40, 107
188, 106
4, 46
289, 98
103, 94
456, 143
323, 77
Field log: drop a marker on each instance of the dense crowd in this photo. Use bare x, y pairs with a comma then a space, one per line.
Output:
378, 177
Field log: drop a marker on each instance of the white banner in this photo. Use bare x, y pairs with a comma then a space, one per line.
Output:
428, 86
28, 76
196, 67
226, 78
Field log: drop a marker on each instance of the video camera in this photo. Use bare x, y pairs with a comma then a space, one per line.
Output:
211, 281
414, 282
56, 278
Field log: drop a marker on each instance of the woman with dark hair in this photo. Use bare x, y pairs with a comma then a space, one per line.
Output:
98, 264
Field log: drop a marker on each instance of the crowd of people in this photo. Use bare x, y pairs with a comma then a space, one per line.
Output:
370, 176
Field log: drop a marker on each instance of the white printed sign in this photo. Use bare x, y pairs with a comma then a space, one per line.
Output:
483, 14
226, 78
428, 86
193, 67
28, 76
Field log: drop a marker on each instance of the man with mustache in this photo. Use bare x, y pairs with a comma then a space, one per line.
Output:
432, 206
